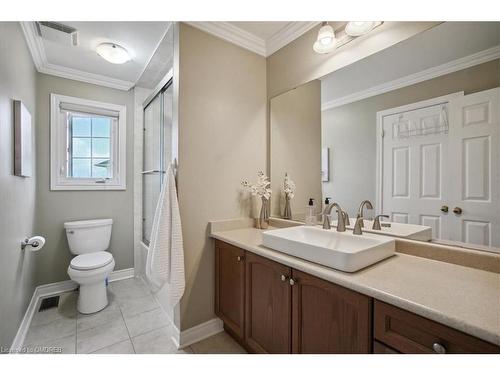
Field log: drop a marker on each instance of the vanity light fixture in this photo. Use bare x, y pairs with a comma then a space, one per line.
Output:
113, 53
326, 41
358, 28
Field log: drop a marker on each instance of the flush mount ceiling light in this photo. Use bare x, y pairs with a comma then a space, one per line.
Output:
113, 53
326, 41
358, 28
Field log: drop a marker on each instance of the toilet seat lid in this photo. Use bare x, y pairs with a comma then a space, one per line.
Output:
91, 260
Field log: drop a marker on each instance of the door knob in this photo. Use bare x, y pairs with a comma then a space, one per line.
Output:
457, 210
444, 208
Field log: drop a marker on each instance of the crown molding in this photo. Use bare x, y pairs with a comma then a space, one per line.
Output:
233, 34
34, 43
35, 46
287, 35
424, 75
80, 75
249, 41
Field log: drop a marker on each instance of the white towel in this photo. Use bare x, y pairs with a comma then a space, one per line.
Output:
165, 261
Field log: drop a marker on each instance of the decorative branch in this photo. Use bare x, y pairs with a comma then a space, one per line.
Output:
262, 188
288, 187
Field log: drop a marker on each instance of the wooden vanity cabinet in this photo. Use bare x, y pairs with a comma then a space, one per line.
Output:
268, 306
230, 287
379, 348
328, 318
272, 308
409, 333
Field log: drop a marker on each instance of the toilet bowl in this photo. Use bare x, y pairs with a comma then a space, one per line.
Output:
88, 240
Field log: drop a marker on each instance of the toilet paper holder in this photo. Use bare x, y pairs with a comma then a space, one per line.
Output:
36, 243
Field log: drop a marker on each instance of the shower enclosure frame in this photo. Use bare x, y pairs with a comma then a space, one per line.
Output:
143, 96
162, 162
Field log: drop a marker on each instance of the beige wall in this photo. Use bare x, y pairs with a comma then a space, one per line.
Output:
56, 207
349, 130
297, 63
295, 137
17, 194
222, 139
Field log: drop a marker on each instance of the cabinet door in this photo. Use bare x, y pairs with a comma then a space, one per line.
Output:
230, 286
268, 306
327, 318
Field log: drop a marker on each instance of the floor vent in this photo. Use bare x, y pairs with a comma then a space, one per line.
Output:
48, 303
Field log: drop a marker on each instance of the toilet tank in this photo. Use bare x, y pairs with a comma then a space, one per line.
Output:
88, 236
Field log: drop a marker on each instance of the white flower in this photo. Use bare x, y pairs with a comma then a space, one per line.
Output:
262, 188
288, 187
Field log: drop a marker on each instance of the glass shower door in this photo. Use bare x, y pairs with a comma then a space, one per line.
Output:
157, 154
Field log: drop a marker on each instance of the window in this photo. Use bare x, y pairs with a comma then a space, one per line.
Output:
87, 144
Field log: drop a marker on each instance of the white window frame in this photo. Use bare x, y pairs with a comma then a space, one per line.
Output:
58, 146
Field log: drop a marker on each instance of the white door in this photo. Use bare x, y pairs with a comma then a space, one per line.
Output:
475, 166
414, 175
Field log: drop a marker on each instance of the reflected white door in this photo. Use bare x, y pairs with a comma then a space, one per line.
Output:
413, 168
424, 169
475, 167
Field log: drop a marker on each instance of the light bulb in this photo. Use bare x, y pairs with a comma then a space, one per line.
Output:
325, 41
357, 28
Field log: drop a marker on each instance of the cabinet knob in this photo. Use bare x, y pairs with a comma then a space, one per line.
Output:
438, 348
457, 210
240, 258
292, 281
284, 278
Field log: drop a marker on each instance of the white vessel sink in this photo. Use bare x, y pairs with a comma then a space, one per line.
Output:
401, 230
340, 250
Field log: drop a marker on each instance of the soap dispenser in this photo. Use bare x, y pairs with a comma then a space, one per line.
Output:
327, 202
311, 213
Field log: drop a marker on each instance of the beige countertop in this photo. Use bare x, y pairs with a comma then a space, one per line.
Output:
463, 298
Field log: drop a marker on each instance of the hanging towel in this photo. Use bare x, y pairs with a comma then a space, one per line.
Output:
165, 261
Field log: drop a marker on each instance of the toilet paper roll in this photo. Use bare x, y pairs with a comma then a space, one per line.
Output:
35, 243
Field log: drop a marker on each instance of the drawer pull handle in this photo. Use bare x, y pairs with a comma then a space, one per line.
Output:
284, 278
240, 258
438, 348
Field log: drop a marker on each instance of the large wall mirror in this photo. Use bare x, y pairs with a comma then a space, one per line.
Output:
424, 153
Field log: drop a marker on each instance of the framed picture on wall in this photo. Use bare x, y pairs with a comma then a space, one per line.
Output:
23, 148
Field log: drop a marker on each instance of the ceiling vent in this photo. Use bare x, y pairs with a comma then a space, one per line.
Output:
57, 32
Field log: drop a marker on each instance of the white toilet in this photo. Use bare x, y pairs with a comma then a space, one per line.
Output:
88, 239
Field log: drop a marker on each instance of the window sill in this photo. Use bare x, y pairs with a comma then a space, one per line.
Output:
83, 187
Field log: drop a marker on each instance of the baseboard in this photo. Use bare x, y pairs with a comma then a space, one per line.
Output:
48, 290
126, 273
199, 332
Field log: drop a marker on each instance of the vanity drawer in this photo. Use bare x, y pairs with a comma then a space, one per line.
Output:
412, 334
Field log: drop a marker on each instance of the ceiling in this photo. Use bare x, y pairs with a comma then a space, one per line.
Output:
82, 63
263, 38
263, 30
146, 43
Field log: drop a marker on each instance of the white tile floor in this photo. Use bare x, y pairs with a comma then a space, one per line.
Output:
133, 322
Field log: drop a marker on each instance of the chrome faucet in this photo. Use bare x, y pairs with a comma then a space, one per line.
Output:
368, 205
376, 222
340, 217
